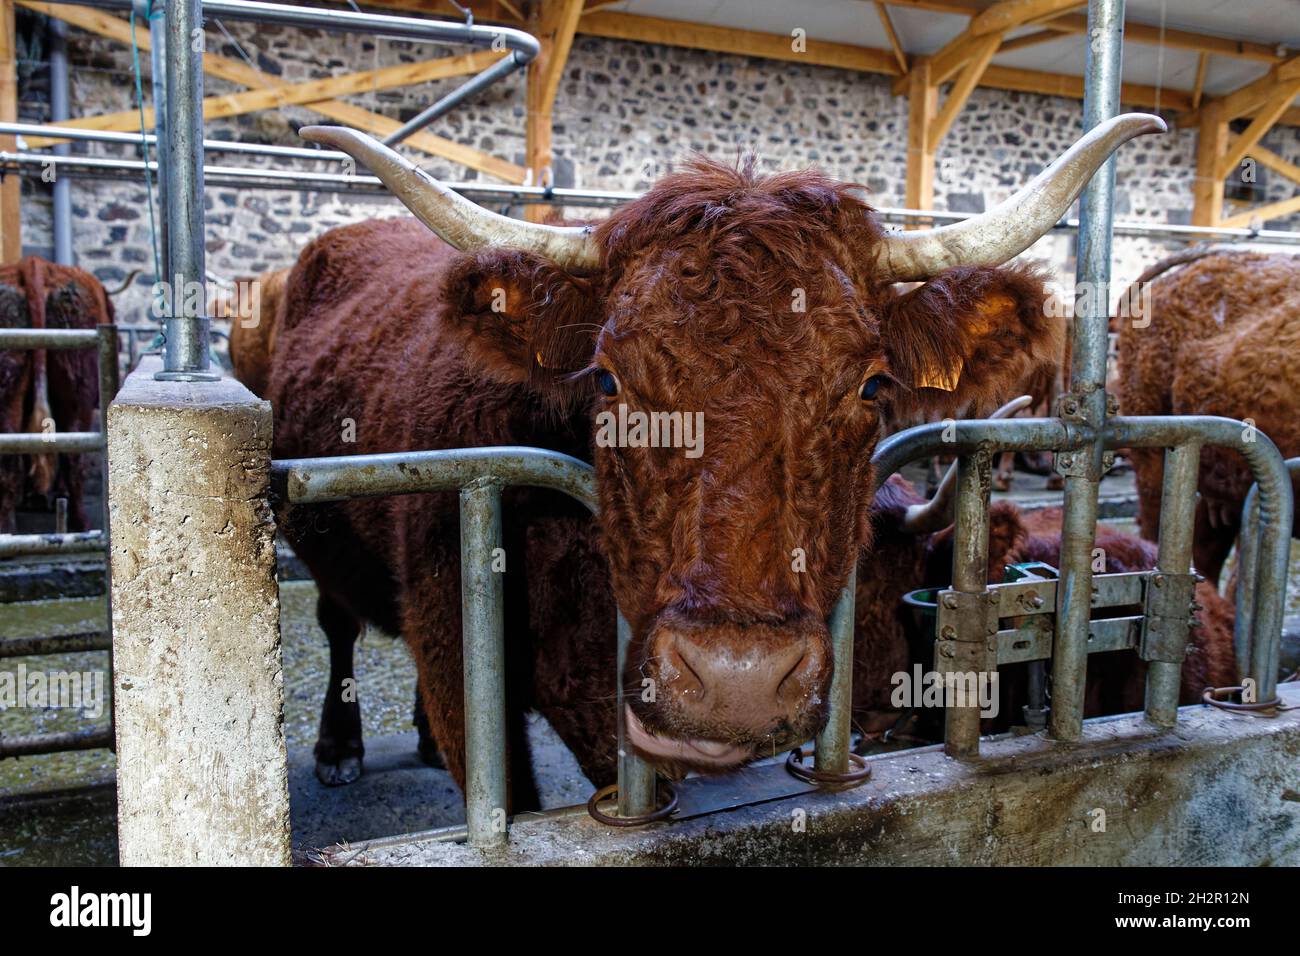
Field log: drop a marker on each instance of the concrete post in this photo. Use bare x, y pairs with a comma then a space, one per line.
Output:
198, 693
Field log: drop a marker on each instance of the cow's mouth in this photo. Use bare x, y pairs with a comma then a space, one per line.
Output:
713, 756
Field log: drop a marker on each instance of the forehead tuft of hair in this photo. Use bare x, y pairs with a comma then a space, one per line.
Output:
709, 200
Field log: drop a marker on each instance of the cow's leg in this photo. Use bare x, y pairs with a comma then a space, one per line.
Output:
1217, 526
339, 748
1006, 468
428, 745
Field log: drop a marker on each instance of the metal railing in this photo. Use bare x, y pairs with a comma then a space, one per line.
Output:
103, 338
480, 475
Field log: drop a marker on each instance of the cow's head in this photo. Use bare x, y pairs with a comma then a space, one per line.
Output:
767, 307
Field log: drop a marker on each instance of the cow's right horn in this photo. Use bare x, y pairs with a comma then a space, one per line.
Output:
937, 513
459, 222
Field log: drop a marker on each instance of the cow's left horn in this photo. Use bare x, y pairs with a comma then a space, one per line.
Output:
459, 222
1013, 226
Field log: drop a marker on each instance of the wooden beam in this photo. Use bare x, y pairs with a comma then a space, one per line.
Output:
773, 46
1268, 114
1199, 86
895, 44
922, 104
1009, 14
313, 91
961, 90
553, 22
1279, 165
1247, 100
236, 71
1207, 189
11, 236
1056, 84
1028, 40
1273, 210
1144, 33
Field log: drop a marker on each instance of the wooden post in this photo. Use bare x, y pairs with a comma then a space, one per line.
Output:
553, 22
1211, 145
11, 237
922, 104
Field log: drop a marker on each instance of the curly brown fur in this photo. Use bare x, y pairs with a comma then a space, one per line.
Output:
1223, 335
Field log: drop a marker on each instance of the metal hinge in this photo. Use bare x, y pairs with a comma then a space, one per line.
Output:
1170, 601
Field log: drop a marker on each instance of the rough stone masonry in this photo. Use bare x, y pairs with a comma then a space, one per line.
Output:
624, 114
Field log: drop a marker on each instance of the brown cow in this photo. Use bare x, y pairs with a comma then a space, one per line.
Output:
765, 303
38, 388
1222, 339
254, 326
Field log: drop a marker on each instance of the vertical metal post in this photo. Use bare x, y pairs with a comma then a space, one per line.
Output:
185, 355
108, 385
158, 70
482, 595
1247, 574
1177, 518
833, 742
58, 33
636, 778
1086, 402
970, 559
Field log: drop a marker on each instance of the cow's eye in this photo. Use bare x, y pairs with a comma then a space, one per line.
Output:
607, 383
870, 387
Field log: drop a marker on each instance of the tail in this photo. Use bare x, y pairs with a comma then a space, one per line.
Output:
31, 274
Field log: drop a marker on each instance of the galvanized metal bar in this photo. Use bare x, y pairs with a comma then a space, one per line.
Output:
484, 649
151, 139
1177, 518
1086, 402
109, 380
62, 213
48, 339
1276, 510
1247, 570
185, 354
40, 443
497, 71
832, 754
316, 480
961, 729
158, 64
55, 644
30, 545
636, 778
32, 744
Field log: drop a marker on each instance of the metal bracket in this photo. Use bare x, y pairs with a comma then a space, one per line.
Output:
967, 632
1170, 601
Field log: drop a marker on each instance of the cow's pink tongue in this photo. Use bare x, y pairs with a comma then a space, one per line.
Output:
709, 753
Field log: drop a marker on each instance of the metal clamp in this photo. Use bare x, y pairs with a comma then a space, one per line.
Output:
967, 628
1168, 610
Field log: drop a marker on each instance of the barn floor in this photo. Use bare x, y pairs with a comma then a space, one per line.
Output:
59, 809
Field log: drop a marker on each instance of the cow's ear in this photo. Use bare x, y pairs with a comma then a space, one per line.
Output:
969, 336
521, 318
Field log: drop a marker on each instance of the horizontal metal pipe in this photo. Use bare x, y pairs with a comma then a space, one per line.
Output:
30, 545
55, 644
40, 443
350, 21
135, 139
50, 339
56, 743
964, 437
316, 480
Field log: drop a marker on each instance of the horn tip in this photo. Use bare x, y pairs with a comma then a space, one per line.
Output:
1143, 123
320, 134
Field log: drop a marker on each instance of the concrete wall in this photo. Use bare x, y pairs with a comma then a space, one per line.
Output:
1220, 789
202, 772
625, 113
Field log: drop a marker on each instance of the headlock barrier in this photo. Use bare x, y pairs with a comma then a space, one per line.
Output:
103, 338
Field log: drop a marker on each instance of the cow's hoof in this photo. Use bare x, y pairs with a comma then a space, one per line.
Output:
346, 770
430, 754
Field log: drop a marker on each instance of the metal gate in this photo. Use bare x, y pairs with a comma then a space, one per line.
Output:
103, 338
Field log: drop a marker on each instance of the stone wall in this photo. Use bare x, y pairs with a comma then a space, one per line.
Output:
625, 113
